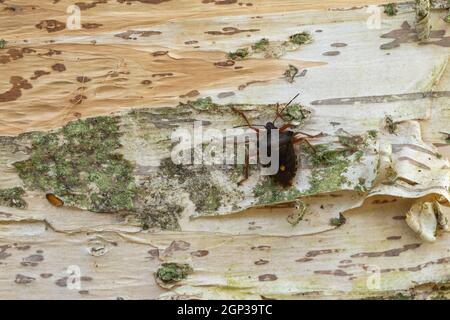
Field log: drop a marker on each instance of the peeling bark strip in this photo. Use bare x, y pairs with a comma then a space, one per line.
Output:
388, 253
382, 98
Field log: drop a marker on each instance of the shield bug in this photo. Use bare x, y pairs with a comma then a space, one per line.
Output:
288, 162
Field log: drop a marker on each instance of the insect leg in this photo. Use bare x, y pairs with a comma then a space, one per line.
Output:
245, 118
246, 165
286, 126
304, 140
311, 136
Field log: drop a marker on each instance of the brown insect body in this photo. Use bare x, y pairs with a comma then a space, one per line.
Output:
288, 162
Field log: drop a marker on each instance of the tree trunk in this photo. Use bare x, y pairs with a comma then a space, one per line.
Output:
92, 205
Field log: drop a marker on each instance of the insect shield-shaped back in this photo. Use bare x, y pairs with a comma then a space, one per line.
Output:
288, 160
54, 200
280, 153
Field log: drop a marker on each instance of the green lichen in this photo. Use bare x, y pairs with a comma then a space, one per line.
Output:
447, 18
372, 134
290, 73
390, 175
329, 178
173, 272
361, 186
268, 192
322, 155
423, 21
352, 143
2, 44
163, 202
298, 214
359, 155
295, 113
260, 45
391, 9
12, 197
204, 104
203, 192
337, 222
300, 38
80, 164
158, 203
329, 167
391, 126
438, 155
239, 54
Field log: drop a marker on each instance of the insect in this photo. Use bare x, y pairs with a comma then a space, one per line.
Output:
288, 162
54, 200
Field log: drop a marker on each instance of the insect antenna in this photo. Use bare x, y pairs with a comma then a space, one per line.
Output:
253, 125
279, 113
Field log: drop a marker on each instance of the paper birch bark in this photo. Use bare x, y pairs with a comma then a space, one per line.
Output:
87, 116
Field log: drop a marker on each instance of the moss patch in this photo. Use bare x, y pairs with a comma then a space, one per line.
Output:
273, 49
12, 197
390, 125
198, 182
329, 167
361, 186
322, 155
2, 44
79, 163
372, 134
352, 143
390, 175
267, 192
290, 73
391, 9
300, 38
173, 272
447, 18
239, 54
337, 222
203, 104
330, 178
295, 113
158, 204
298, 214
162, 195
260, 45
